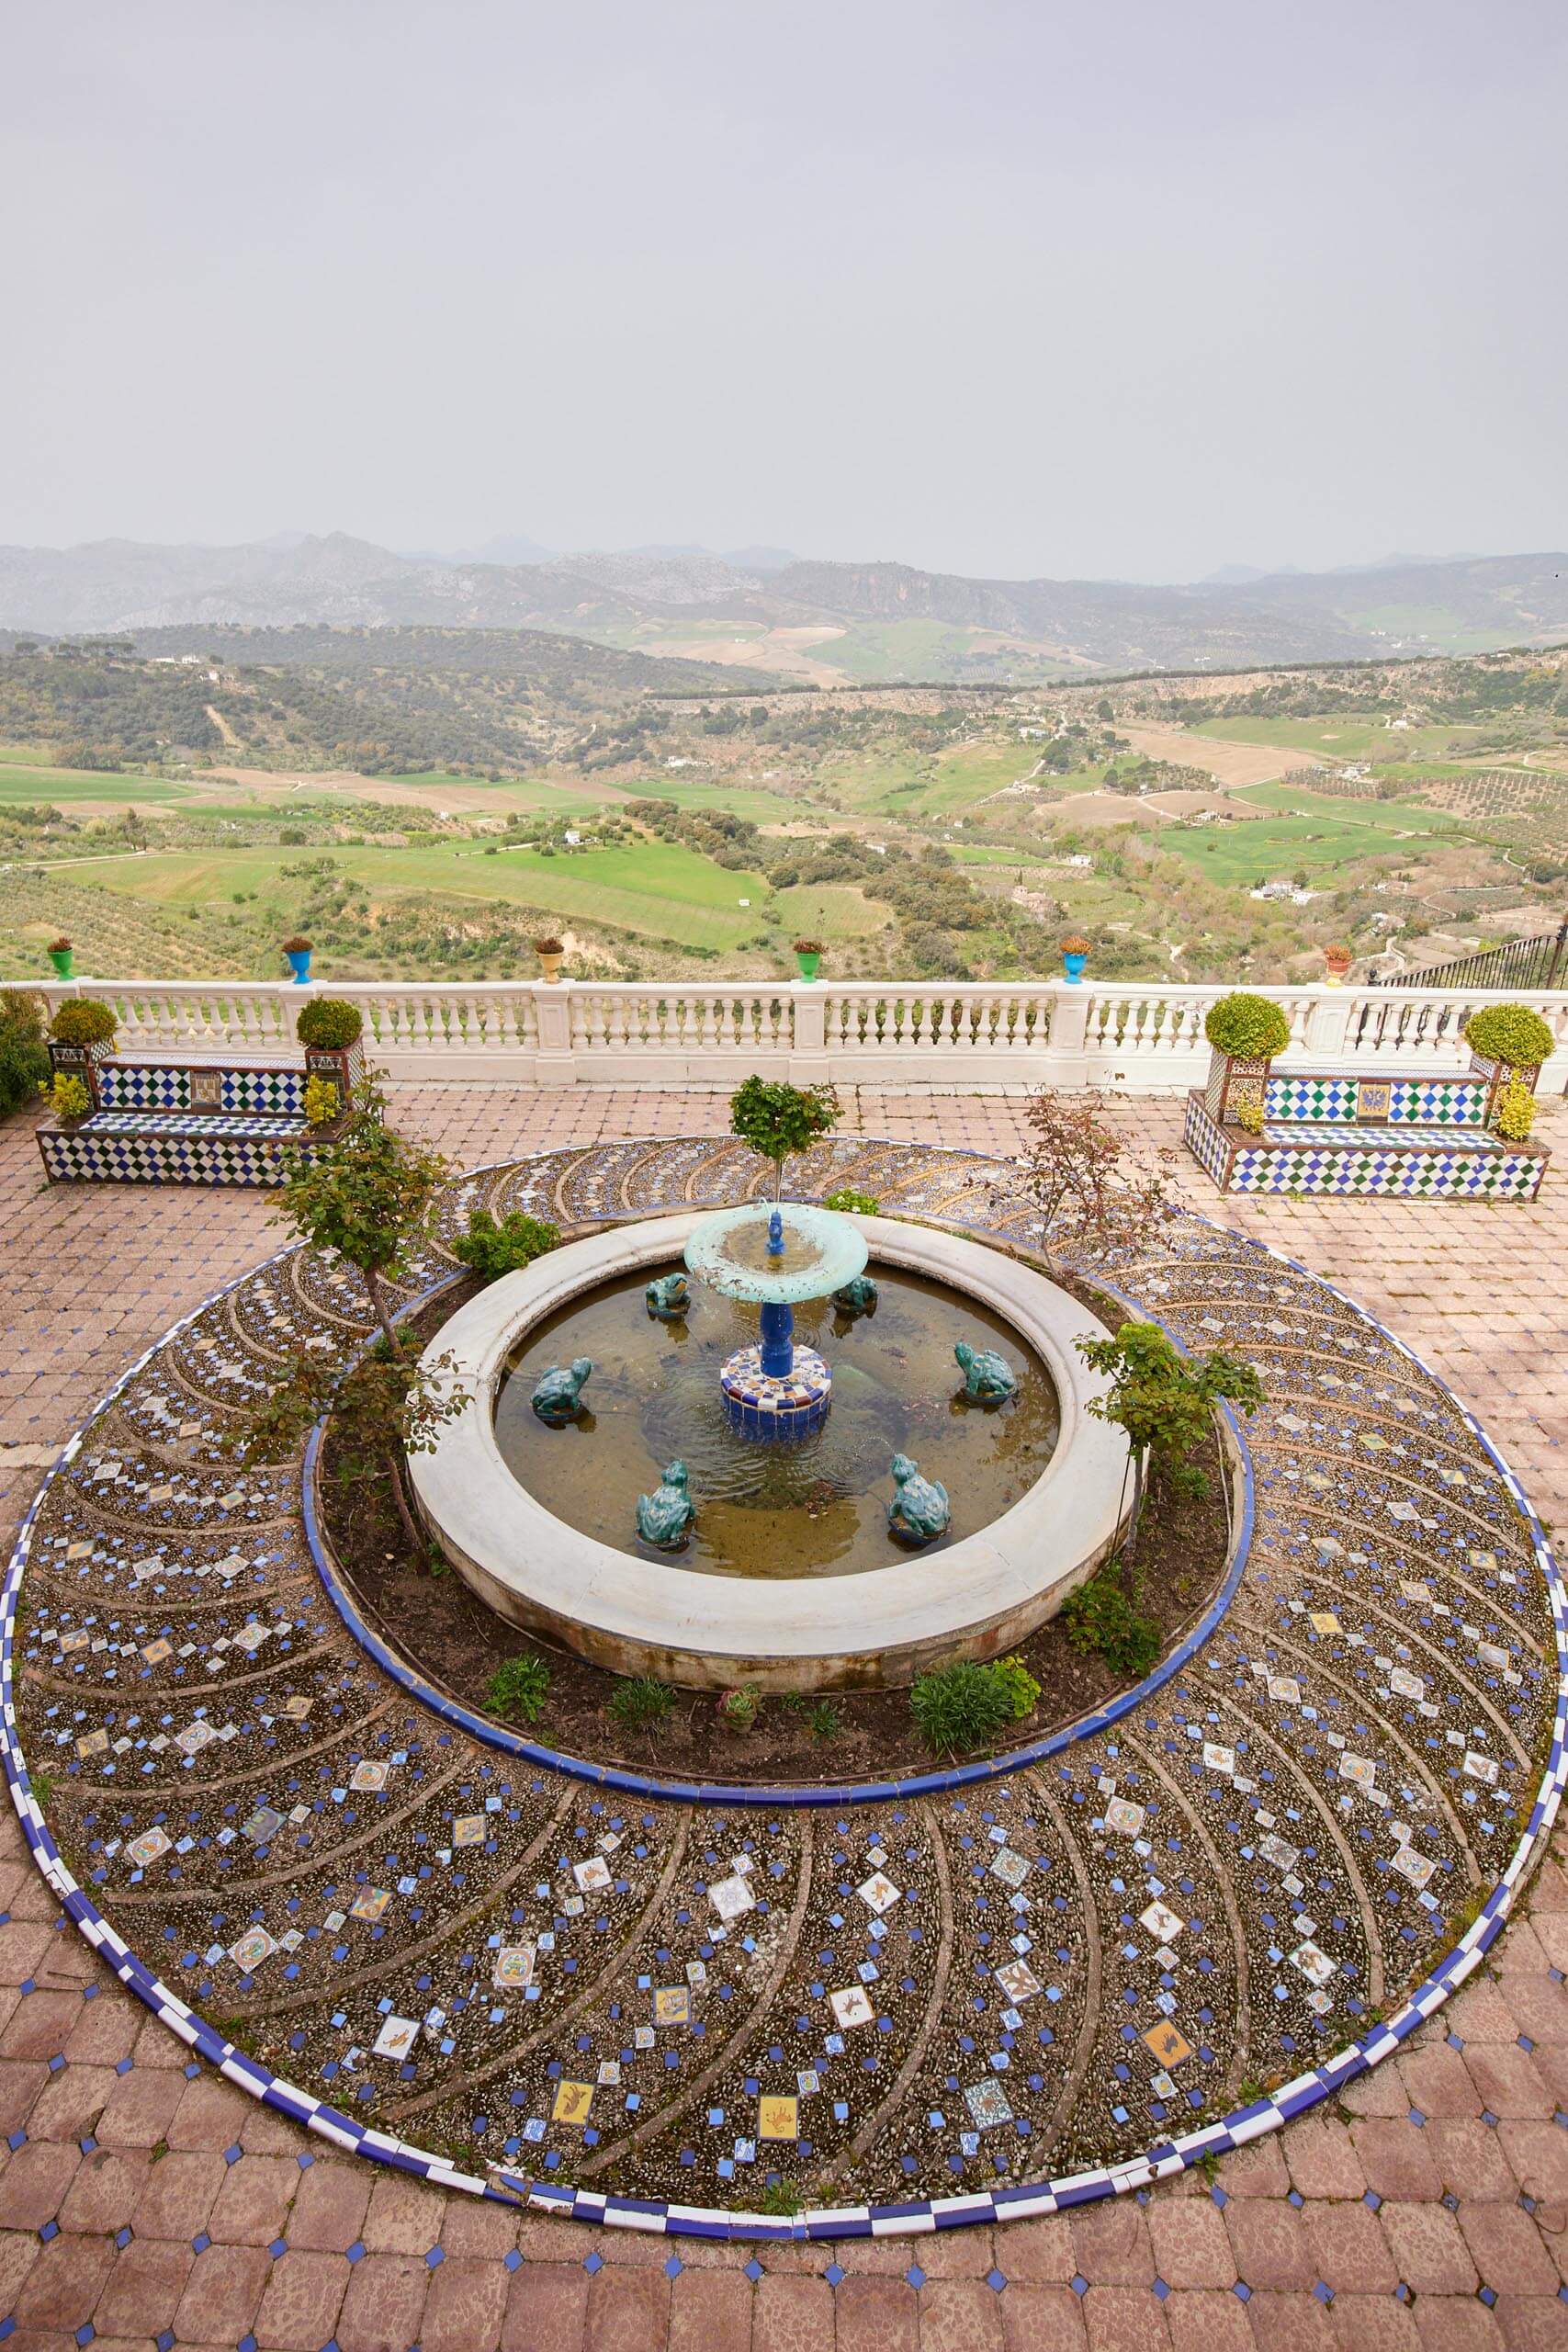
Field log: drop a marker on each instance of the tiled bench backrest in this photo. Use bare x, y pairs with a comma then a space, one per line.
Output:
238, 1091
1338, 1098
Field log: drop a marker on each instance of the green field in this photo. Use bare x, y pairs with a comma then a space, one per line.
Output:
657, 888
753, 802
1311, 830
1347, 738
19, 783
943, 786
832, 911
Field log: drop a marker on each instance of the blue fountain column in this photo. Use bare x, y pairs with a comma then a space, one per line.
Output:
778, 1340
777, 1320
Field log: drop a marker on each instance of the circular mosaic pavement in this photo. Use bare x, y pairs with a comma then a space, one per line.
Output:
988, 1994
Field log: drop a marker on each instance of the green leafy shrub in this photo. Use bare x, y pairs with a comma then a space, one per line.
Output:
518, 1689
492, 1250
1103, 1620
1020, 1685
1248, 1115
1165, 1402
84, 1021
323, 1101
68, 1097
960, 1706
737, 1710
777, 1119
1516, 1112
1510, 1034
640, 1702
366, 1195
849, 1202
329, 1023
1248, 1026
24, 1056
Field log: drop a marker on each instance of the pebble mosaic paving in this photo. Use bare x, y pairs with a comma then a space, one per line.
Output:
952, 1993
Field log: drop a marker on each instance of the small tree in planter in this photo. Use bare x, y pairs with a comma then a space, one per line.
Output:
81, 1035
1507, 1046
1164, 1403
1093, 1193
1244, 1033
366, 1195
777, 1119
329, 1030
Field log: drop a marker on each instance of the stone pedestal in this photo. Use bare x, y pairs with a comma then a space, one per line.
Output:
776, 1410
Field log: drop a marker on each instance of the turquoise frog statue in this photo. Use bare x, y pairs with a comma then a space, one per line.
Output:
668, 1297
857, 1296
558, 1394
919, 1511
988, 1378
667, 1516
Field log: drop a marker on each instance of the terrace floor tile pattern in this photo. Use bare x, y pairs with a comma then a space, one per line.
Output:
1459, 2235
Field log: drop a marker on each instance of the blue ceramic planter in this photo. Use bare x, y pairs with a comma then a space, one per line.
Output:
1073, 965
298, 964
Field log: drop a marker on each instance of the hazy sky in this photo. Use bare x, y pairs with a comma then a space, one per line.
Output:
991, 285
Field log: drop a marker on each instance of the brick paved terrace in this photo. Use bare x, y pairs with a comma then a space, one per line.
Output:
145, 2201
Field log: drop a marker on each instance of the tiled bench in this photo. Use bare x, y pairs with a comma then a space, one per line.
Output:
1418, 1135
192, 1118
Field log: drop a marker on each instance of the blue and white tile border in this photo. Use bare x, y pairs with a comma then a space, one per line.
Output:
1161, 2161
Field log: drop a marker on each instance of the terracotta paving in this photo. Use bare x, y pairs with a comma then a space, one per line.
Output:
144, 2200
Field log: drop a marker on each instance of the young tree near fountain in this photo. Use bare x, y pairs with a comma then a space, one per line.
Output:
366, 1195
1164, 1401
777, 1119
1096, 1196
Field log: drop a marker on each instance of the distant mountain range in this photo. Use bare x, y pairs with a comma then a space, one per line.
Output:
762, 608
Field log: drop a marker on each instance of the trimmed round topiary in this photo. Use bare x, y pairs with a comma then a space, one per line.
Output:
86, 1020
330, 1022
1510, 1034
1249, 1027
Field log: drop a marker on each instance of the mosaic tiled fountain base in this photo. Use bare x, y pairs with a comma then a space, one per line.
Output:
984, 1996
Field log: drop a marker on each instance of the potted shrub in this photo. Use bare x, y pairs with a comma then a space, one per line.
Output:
69, 1098
81, 1035
59, 953
1244, 1033
809, 955
549, 952
1507, 1046
298, 950
329, 1029
1337, 962
1075, 956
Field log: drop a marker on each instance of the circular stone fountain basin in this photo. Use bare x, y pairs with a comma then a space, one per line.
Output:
870, 1625
817, 1507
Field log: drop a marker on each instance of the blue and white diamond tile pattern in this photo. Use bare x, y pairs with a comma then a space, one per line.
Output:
166, 1147
436, 1930
1340, 1099
1406, 1162
236, 1090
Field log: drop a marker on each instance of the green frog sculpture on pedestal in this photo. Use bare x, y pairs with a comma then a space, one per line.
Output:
558, 1394
919, 1511
988, 1378
667, 1516
857, 1296
668, 1297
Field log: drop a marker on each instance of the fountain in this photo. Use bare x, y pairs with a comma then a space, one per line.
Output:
775, 1258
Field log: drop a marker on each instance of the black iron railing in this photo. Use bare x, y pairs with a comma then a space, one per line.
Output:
1538, 962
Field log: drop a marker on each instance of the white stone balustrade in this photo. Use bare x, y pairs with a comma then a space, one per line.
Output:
1144, 1037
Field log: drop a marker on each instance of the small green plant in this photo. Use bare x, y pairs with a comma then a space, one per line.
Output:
849, 1202
323, 1101
1248, 1115
1103, 1619
823, 1720
518, 1689
960, 1706
1247, 1026
366, 1194
1020, 1684
737, 1710
43, 1782
777, 1119
84, 1021
779, 2196
1511, 1034
68, 1097
492, 1250
1516, 1112
640, 1702
331, 1024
